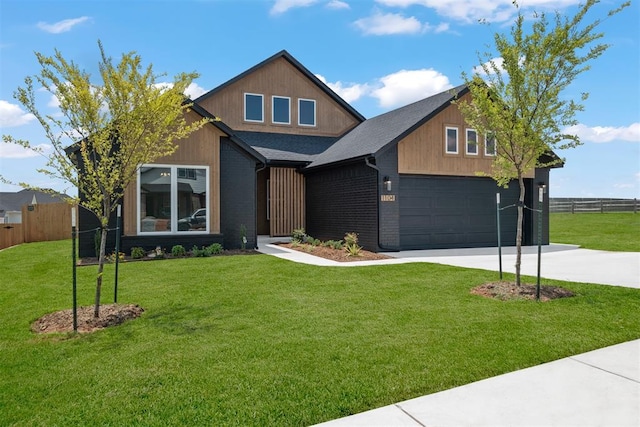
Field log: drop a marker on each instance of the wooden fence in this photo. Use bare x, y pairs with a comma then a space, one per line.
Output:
40, 223
593, 205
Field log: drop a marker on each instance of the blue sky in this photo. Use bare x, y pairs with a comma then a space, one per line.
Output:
378, 55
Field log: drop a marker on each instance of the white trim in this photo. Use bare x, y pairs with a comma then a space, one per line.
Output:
446, 140
273, 110
244, 97
475, 144
315, 112
174, 200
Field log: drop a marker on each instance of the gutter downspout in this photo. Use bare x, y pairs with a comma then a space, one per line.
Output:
372, 166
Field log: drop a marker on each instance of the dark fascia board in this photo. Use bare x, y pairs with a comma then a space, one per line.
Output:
343, 162
287, 56
215, 121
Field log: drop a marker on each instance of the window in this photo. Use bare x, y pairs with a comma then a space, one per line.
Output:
253, 107
472, 142
281, 111
451, 142
173, 199
306, 112
490, 145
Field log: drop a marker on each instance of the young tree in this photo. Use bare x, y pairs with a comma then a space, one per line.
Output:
124, 121
517, 97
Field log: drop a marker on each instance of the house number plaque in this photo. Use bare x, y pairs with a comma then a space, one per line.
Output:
388, 198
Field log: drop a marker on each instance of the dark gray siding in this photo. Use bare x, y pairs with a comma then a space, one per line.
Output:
237, 195
454, 212
343, 200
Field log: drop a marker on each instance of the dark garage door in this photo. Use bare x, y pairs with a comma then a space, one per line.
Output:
453, 212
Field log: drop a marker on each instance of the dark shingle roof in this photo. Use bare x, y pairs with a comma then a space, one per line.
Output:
375, 134
279, 147
15, 201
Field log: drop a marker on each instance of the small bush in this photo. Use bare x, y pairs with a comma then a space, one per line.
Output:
137, 252
314, 242
351, 239
112, 257
351, 244
334, 244
299, 235
198, 252
213, 249
178, 250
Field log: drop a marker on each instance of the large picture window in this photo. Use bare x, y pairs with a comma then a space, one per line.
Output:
451, 140
253, 107
173, 199
306, 112
281, 111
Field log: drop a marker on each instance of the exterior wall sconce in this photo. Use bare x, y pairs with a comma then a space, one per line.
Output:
387, 183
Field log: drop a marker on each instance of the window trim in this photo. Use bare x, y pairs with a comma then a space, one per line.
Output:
261, 106
495, 145
273, 110
315, 112
446, 139
475, 144
174, 200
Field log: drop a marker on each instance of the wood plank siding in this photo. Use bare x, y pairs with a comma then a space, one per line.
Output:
201, 148
278, 78
287, 204
423, 152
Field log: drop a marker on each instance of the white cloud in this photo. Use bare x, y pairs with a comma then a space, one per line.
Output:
407, 86
473, 10
350, 92
281, 6
14, 151
338, 4
497, 62
599, 134
193, 91
388, 23
11, 115
62, 26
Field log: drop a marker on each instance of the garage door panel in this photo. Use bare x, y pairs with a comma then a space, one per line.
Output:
450, 212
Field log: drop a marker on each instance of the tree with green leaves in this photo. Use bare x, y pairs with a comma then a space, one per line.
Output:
105, 131
517, 95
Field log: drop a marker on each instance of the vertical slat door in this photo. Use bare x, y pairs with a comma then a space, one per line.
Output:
286, 187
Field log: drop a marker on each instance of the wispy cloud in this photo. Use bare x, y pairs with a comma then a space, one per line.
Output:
62, 26
11, 115
350, 92
602, 134
406, 86
338, 4
380, 24
281, 6
14, 151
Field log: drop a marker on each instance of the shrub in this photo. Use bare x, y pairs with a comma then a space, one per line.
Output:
137, 252
198, 252
112, 257
298, 235
178, 250
334, 244
213, 249
351, 244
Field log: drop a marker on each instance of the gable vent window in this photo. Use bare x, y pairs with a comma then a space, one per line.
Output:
253, 107
306, 112
281, 111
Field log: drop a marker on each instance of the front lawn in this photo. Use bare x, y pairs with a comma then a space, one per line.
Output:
256, 340
614, 231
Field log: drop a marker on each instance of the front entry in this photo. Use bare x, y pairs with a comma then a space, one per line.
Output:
281, 199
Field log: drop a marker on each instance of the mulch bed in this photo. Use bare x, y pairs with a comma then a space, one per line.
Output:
339, 255
110, 315
506, 291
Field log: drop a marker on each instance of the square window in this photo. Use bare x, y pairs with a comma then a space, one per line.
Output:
472, 142
306, 112
490, 145
451, 142
253, 107
281, 112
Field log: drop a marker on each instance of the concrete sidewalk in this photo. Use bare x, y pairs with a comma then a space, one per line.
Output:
599, 388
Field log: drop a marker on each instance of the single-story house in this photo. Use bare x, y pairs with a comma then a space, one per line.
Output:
286, 152
11, 203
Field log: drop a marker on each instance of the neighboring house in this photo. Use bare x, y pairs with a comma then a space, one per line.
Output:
11, 203
286, 152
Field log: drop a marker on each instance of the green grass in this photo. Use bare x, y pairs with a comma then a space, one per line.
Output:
606, 231
255, 340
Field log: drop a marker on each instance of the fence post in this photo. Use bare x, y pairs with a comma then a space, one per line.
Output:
573, 207
601, 206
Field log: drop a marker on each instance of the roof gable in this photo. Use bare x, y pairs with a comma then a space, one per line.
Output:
375, 134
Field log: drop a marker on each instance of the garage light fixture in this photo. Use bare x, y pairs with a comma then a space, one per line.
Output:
387, 183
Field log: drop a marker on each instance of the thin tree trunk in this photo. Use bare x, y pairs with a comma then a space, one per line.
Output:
101, 259
519, 228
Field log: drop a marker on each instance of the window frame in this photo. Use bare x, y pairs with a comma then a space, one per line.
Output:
495, 145
315, 112
273, 110
446, 139
246, 119
173, 221
475, 143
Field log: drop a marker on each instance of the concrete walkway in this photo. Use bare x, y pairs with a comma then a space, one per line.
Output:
599, 388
